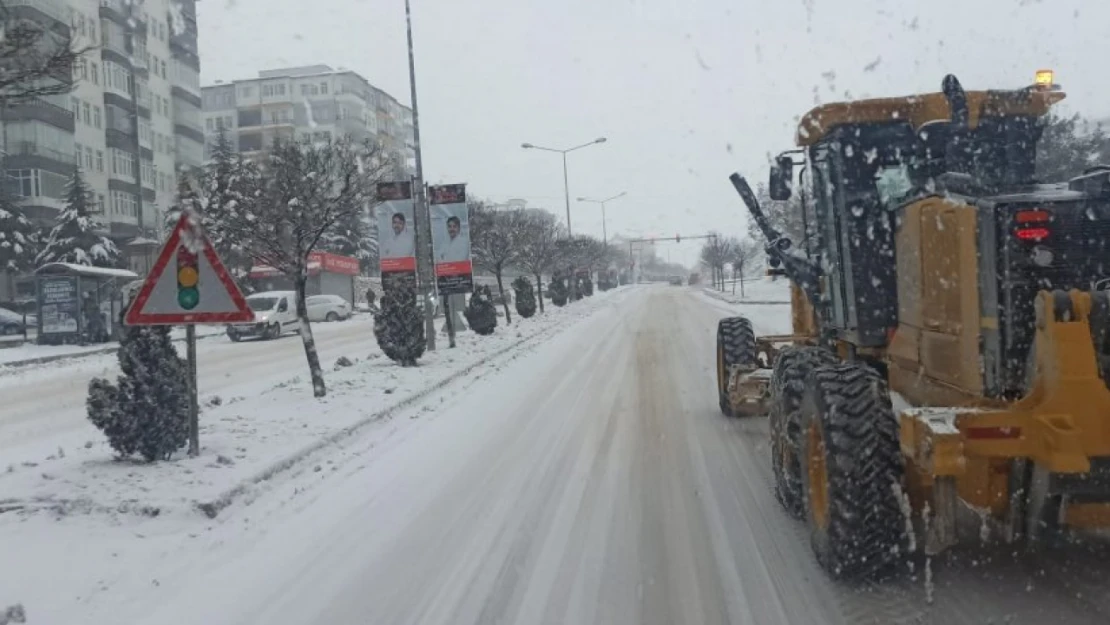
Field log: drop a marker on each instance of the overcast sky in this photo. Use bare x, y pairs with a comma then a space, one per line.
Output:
686, 91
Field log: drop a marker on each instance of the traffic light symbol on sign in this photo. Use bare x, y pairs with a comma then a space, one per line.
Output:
188, 275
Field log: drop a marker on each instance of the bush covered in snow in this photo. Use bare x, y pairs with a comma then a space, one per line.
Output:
480, 312
147, 411
399, 327
587, 287
558, 290
525, 297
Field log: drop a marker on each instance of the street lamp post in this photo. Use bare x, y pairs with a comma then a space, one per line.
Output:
424, 229
604, 230
566, 185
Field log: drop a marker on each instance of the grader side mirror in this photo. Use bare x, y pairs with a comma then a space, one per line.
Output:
782, 173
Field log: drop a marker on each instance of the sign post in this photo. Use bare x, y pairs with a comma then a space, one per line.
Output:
198, 291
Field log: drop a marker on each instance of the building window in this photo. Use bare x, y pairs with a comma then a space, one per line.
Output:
77, 154
95, 74
101, 204
86, 111
96, 116
88, 158
100, 161
163, 63
324, 88
75, 108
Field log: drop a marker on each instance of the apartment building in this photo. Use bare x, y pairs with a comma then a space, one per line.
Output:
131, 120
308, 102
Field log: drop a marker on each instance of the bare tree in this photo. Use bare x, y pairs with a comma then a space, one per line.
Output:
538, 251
495, 238
744, 252
715, 253
306, 191
35, 60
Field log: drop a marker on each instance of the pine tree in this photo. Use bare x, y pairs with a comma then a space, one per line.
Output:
352, 237
525, 297
74, 239
480, 313
587, 287
558, 290
18, 236
147, 410
399, 327
229, 186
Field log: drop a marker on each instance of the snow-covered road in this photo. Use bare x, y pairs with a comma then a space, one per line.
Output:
42, 403
587, 479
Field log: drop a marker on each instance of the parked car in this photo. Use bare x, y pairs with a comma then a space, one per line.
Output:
328, 308
11, 323
275, 313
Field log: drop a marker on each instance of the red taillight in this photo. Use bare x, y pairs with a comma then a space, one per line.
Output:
1032, 216
1032, 224
1032, 234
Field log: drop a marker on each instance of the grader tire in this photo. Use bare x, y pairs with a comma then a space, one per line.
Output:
788, 384
851, 471
735, 346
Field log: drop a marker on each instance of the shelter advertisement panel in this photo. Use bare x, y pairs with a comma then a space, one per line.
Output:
59, 305
450, 219
396, 228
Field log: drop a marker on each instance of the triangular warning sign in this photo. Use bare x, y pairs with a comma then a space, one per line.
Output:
198, 289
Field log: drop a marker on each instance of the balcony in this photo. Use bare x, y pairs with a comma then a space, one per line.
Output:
53, 8
30, 148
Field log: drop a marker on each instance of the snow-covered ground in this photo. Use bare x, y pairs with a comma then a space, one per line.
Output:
583, 475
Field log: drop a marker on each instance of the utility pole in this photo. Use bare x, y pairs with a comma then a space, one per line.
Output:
423, 231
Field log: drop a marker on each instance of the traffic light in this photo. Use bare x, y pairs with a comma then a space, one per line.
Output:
188, 275
677, 238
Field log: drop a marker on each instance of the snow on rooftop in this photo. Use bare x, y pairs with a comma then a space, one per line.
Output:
86, 270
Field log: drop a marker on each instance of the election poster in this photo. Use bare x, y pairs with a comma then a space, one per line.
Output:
396, 233
450, 220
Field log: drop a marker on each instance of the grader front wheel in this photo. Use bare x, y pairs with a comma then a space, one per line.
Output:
735, 346
851, 469
788, 384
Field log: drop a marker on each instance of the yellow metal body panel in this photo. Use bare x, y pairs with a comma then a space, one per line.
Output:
1061, 424
918, 110
934, 354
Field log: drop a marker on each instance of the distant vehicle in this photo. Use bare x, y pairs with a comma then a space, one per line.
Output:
274, 314
328, 308
694, 278
676, 280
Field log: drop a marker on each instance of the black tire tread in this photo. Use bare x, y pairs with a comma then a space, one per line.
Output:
788, 384
866, 530
736, 338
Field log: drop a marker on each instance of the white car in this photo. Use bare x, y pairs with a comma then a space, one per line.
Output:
328, 308
275, 313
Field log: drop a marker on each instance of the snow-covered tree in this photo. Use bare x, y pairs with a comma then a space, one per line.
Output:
558, 290
480, 313
525, 297
538, 251
307, 191
19, 237
147, 411
399, 326
1068, 146
74, 239
230, 186
352, 237
495, 241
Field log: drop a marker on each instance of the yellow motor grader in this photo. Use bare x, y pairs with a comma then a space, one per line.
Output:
946, 377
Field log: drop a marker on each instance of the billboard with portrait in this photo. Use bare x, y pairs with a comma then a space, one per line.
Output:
396, 231
450, 220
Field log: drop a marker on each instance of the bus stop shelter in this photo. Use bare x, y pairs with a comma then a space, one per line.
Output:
79, 303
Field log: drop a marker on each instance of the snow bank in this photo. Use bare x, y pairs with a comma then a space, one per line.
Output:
247, 440
762, 290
